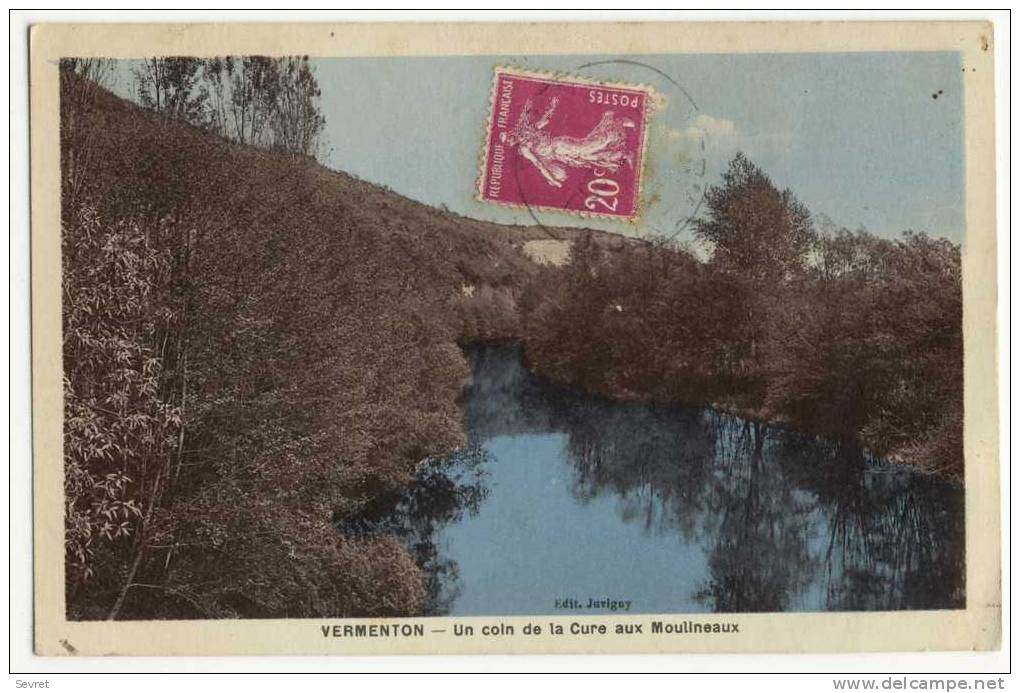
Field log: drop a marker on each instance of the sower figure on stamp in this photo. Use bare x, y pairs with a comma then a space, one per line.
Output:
604, 147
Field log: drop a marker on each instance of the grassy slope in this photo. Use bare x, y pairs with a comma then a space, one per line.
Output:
322, 367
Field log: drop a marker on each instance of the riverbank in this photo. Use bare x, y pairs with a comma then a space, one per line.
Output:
872, 354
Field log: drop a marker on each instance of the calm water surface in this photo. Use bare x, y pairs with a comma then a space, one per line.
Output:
562, 498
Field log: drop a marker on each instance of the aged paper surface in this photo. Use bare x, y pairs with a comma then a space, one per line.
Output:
152, 539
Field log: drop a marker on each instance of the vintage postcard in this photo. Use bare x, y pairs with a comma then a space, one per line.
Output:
514, 338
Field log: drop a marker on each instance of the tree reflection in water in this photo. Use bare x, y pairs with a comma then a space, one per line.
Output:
445, 490
786, 521
758, 525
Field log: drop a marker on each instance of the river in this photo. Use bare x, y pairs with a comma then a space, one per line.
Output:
564, 503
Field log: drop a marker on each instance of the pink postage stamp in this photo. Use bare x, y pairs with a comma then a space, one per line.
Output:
564, 143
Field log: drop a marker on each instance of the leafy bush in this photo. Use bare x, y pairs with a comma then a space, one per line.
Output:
121, 424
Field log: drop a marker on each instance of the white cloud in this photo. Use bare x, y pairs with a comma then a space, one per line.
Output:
706, 135
704, 127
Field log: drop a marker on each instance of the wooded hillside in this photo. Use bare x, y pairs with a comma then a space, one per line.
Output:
253, 345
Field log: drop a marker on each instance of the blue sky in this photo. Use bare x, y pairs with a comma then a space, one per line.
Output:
857, 137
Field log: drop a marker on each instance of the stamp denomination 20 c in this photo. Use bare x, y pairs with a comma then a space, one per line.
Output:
565, 143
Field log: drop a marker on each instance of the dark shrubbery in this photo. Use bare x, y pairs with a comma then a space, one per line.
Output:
870, 345
253, 346
841, 333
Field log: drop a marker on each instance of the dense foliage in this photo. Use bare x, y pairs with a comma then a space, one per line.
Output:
838, 332
256, 347
253, 346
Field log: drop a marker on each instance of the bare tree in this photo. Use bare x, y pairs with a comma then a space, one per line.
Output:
81, 79
254, 85
271, 102
297, 120
172, 87
216, 83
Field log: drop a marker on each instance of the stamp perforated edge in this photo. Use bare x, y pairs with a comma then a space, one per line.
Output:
654, 101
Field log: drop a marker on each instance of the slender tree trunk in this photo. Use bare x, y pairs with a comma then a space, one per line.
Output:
180, 434
139, 550
127, 584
